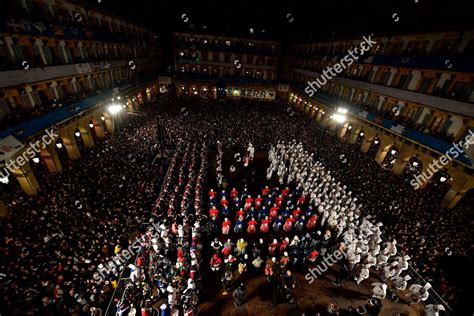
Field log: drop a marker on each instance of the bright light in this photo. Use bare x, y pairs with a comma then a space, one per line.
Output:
415, 163
340, 118
36, 160
361, 134
376, 142
195, 92
124, 106
118, 98
91, 125
349, 127
114, 109
102, 118
442, 179
59, 145
77, 134
393, 151
342, 110
4, 180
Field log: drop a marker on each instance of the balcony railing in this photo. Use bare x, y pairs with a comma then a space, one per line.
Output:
30, 128
226, 49
62, 30
443, 104
429, 141
19, 77
447, 62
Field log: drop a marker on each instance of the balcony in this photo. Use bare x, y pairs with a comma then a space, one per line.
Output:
32, 127
225, 79
21, 77
446, 62
226, 49
193, 61
429, 141
64, 30
443, 104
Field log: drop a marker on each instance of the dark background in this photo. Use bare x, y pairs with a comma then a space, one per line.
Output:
311, 19
329, 17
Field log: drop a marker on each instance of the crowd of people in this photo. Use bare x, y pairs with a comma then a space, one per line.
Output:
52, 244
96, 206
167, 277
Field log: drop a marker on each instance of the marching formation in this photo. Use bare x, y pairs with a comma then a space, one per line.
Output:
171, 261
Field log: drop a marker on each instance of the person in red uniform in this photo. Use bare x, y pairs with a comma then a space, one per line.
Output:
289, 224
312, 222
296, 213
234, 193
284, 243
215, 262
240, 214
279, 200
224, 201
272, 247
213, 213
301, 200
248, 203
274, 211
285, 192
212, 194
265, 227
252, 226
313, 255
265, 191
226, 226
258, 202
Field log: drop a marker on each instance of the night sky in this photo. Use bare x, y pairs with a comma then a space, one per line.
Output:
320, 18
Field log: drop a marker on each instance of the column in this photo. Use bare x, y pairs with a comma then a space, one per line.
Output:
51, 158
369, 135
71, 145
3, 210
27, 179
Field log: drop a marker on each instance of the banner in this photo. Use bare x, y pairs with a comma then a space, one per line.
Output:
251, 93
8, 147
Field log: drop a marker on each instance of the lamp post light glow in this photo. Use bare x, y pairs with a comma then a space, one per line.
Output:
59, 145
342, 110
349, 127
361, 134
91, 125
36, 160
78, 134
393, 151
442, 179
376, 142
415, 163
340, 118
114, 109
102, 118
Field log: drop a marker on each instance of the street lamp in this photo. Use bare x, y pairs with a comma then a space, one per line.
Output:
114, 109
339, 117
36, 160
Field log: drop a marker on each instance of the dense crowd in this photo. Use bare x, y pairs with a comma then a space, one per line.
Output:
93, 209
413, 217
53, 243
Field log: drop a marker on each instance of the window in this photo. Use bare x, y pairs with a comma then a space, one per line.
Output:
425, 85
4, 110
